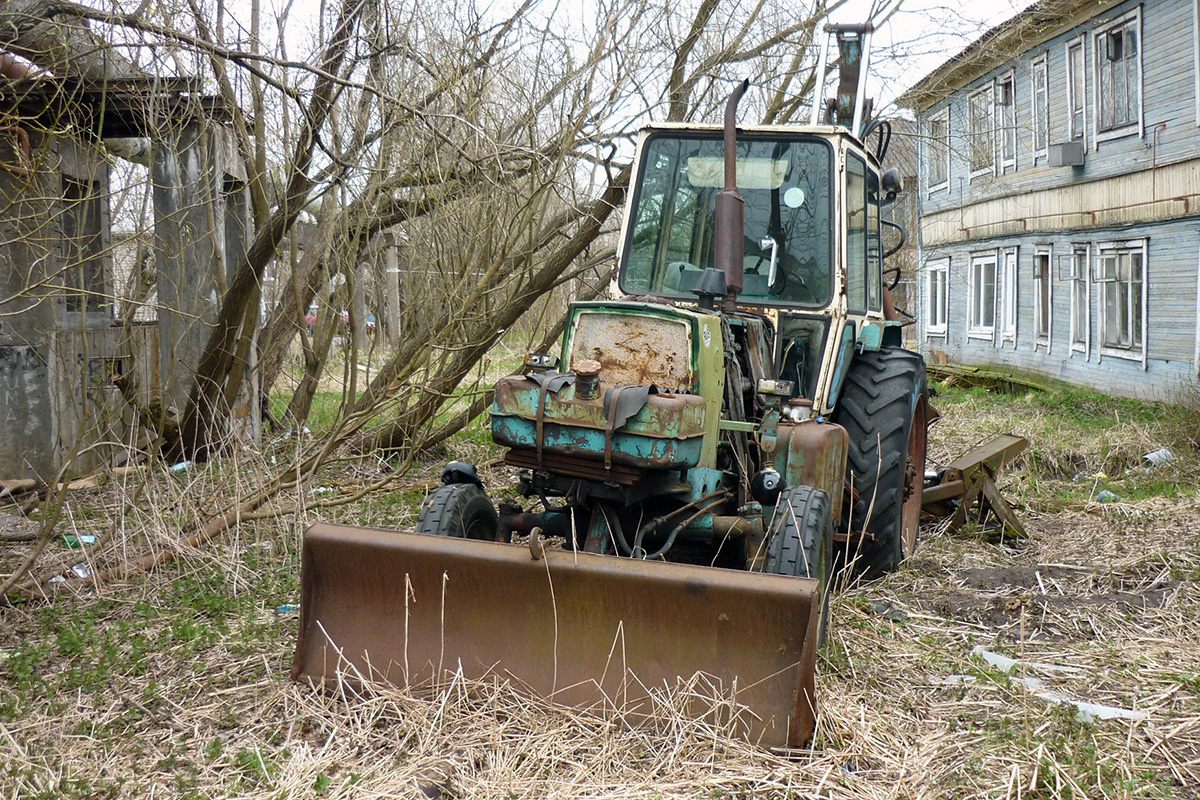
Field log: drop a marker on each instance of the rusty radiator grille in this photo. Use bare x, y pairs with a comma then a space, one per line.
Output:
573, 466
636, 349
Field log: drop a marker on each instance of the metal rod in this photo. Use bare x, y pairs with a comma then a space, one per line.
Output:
659, 520
819, 84
859, 99
662, 551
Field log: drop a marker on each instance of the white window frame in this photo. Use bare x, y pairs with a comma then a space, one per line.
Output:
1196, 91
1085, 275
1007, 161
975, 331
932, 326
1137, 126
990, 89
1125, 246
1042, 61
1045, 339
1080, 40
931, 150
1007, 293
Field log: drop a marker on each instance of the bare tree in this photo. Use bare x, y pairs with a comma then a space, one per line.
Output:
485, 157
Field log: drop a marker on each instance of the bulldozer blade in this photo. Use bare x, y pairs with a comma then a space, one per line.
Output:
613, 635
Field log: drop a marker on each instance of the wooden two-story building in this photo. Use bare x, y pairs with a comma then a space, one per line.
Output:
1059, 207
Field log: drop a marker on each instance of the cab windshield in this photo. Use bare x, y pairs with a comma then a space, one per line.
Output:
786, 185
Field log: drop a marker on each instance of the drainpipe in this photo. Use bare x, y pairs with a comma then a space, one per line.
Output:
136, 150
13, 68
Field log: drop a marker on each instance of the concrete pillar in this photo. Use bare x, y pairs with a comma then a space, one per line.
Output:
202, 230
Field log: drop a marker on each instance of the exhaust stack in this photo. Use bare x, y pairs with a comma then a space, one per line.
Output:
729, 245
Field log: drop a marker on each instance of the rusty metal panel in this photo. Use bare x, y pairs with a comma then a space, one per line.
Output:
574, 466
591, 631
677, 416
814, 454
635, 348
665, 433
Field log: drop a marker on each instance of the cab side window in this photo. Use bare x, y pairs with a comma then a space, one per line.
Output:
856, 233
874, 246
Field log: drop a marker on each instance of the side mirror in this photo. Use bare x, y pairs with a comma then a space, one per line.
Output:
892, 185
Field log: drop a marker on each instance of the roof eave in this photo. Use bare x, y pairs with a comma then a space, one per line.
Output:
1034, 25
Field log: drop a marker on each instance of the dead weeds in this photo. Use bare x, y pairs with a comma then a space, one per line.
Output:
175, 684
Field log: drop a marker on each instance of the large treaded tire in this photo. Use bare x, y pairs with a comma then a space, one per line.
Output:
884, 392
800, 541
461, 510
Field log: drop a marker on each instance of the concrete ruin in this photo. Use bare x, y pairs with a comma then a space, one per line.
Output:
64, 342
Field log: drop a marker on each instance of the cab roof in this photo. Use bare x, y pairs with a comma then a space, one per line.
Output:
828, 131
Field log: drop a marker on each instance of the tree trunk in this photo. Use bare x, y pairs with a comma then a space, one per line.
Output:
54, 36
479, 340
204, 419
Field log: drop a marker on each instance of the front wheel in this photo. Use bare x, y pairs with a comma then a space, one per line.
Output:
800, 541
461, 510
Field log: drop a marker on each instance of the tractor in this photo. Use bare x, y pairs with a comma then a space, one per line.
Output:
705, 449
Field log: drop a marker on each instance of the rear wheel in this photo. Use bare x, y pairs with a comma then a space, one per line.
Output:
461, 510
800, 541
883, 408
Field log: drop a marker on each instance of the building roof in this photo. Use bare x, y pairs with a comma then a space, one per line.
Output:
1030, 27
133, 107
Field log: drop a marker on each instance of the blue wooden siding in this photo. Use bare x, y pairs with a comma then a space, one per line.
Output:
1171, 268
1170, 134
1168, 101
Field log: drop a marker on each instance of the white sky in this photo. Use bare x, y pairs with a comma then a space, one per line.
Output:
921, 35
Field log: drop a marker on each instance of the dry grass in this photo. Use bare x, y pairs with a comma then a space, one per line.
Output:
176, 685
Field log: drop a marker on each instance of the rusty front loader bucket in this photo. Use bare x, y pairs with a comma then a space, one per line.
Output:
613, 635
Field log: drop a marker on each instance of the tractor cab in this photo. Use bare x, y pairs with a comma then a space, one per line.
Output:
812, 238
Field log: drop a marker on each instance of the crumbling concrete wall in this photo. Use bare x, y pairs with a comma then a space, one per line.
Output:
202, 231
30, 263
57, 348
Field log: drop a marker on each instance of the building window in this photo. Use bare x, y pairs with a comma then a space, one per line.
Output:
937, 150
1006, 116
1119, 76
1008, 296
982, 131
937, 275
1080, 298
1040, 113
1076, 91
982, 323
1121, 274
1043, 298
83, 245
